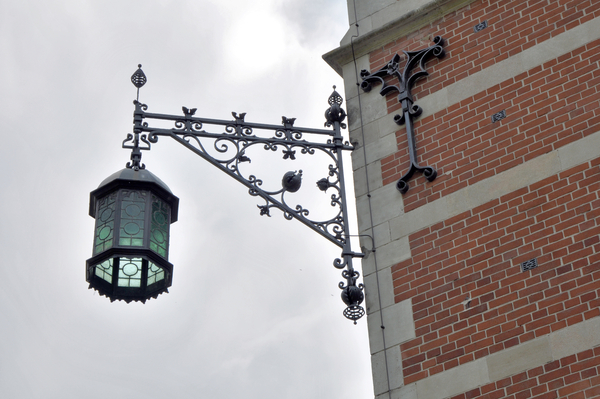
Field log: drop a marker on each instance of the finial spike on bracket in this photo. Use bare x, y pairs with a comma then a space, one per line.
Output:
138, 79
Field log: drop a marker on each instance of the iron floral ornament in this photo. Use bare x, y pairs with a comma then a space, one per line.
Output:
410, 110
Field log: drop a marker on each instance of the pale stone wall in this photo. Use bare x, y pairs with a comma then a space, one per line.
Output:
373, 14
380, 22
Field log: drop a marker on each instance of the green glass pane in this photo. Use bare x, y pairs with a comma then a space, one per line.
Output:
159, 228
133, 210
104, 270
159, 236
104, 233
106, 214
131, 229
133, 206
155, 273
105, 223
130, 272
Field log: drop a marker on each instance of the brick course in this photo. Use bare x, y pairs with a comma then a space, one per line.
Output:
469, 295
513, 26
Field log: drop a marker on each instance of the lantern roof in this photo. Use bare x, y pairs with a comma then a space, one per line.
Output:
135, 179
141, 175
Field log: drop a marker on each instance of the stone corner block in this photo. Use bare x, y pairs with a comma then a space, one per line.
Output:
454, 381
575, 339
393, 371
519, 358
399, 323
405, 392
377, 284
392, 253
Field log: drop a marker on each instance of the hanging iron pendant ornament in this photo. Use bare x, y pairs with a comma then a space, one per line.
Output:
410, 110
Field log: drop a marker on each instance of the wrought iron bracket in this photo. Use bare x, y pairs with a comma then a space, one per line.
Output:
230, 146
410, 110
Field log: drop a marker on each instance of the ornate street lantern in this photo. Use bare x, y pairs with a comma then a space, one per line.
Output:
133, 210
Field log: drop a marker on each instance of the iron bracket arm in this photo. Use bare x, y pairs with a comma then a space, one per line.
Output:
238, 136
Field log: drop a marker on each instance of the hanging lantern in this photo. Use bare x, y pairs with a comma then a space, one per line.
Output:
133, 211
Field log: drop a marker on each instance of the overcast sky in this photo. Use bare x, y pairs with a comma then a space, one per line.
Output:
254, 310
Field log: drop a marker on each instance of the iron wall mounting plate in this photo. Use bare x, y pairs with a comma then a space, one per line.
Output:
406, 81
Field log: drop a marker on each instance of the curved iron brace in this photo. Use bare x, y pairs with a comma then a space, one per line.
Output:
238, 136
406, 81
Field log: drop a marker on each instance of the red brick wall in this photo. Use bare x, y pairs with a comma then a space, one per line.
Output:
513, 26
478, 253
547, 107
572, 377
557, 221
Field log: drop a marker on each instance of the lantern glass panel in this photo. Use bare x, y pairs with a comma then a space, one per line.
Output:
133, 210
155, 273
105, 270
130, 272
159, 229
105, 223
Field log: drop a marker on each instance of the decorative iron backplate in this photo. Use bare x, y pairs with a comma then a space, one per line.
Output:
406, 80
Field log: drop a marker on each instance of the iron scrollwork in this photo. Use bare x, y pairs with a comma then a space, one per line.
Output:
231, 147
410, 110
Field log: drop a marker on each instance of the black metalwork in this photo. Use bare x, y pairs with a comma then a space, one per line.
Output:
130, 257
233, 142
529, 265
406, 80
139, 79
498, 116
480, 26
